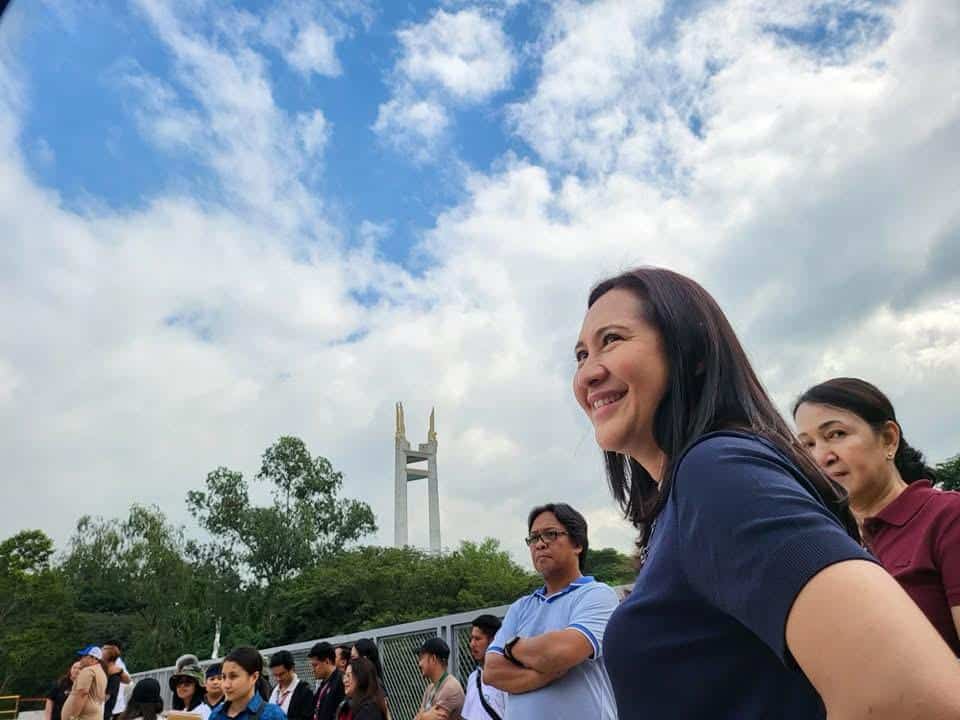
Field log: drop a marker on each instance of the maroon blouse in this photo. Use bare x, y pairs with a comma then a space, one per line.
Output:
917, 539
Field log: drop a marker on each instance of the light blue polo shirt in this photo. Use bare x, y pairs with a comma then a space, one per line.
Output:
584, 692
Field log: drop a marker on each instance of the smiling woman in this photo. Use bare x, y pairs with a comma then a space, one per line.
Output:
755, 598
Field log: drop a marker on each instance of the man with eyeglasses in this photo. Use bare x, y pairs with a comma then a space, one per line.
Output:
547, 655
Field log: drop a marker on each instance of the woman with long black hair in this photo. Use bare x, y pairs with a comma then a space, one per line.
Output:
364, 697
57, 696
755, 599
187, 685
852, 431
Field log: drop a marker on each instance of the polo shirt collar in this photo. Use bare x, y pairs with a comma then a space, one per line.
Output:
907, 505
541, 593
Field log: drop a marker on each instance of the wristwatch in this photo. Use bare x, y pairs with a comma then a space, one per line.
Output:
508, 650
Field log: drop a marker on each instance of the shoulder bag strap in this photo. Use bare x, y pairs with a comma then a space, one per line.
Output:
483, 701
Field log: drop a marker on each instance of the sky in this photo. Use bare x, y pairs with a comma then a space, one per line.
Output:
222, 223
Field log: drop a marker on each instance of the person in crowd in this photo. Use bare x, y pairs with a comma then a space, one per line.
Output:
290, 693
547, 654
330, 692
242, 668
116, 676
187, 683
120, 700
212, 690
344, 653
443, 695
483, 702
851, 429
263, 683
57, 696
364, 698
145, 701
89, 691
367, 648
754, 598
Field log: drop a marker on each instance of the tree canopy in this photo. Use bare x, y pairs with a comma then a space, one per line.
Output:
288, 571
306, 522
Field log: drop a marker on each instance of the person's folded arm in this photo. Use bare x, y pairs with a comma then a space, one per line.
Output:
553, 652
504, 675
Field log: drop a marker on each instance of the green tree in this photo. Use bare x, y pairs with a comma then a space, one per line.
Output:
374, 586
37, 627
131, 578
948, 473
306, 522
611, 566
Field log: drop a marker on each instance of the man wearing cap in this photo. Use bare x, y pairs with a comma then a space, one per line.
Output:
89, 692
443, 696
213, 693
548, 654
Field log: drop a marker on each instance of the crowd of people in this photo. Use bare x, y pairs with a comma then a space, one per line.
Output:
781, 574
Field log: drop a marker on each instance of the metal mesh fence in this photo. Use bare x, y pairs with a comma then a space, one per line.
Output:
397, 644
402, 675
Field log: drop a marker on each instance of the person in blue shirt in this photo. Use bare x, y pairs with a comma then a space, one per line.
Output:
548, 653
242, 668
755, 598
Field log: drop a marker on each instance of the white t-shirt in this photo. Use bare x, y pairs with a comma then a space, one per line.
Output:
282, 697
121, 703
473, 708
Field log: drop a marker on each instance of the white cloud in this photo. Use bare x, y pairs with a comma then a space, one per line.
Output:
414, 126
314, 131
465, 53
452, 59
144, 348
313, 50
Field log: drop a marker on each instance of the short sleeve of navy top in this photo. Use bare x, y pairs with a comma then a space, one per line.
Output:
702, 635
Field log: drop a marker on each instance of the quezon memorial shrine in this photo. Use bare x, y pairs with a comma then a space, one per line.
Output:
397, 643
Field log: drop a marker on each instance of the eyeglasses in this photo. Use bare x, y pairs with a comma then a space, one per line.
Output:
185, 681
547, 536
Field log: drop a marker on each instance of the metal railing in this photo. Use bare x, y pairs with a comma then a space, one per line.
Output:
397, 645
9, 706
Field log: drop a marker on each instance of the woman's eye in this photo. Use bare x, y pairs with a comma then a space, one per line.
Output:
611, 337
580, 355
835, 434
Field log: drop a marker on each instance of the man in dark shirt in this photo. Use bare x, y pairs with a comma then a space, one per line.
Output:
329, 694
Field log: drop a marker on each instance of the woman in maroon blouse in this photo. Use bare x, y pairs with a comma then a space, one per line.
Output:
912, 528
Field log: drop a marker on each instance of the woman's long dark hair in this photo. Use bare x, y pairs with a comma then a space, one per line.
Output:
367, 685
147, 711
367, 648
868, 403
711, 386
195, 699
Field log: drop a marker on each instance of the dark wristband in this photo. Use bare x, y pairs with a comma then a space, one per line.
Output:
508, 651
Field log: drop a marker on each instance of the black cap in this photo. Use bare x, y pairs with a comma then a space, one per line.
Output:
435, 646
213, 670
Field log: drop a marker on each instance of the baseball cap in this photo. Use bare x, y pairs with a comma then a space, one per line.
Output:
214, 670
91, 650
435, 646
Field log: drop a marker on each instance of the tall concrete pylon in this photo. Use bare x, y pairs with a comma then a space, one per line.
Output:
404, 473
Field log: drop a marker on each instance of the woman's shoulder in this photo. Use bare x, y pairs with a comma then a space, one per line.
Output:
271, 711
730, 453
367, 710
